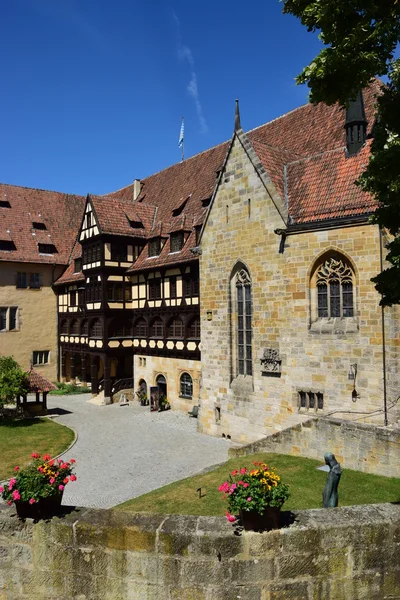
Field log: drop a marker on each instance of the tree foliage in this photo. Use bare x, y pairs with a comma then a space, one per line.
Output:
13, 381
361, 37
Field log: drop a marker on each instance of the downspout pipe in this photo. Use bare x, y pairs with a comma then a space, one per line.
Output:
385, 413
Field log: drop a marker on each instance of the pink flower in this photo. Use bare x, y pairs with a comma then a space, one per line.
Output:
16, 468
245, 485
1, 490
35, 455
65, 466
73, 477
240, 482
243, 470
230, 517
61, 487
40, 469
249, 499
11, 483
16, 495
32, 501
52, 480
9, 503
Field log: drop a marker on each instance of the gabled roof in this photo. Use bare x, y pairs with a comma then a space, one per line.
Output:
38, 383
114, 215
61, 213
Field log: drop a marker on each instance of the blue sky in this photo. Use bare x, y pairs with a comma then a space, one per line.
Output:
93, 91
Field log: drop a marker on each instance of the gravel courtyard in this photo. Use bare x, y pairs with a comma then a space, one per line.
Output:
125, 451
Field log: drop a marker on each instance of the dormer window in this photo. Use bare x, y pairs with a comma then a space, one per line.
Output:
136, 224
155, 246
177, 241
47, 249
77, 265
206, 201
5, 204
7, 245
38, 225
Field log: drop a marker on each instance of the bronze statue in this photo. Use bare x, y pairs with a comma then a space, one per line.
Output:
330, 497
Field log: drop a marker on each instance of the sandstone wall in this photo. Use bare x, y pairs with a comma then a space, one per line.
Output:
37, 316
342, 554
355, 445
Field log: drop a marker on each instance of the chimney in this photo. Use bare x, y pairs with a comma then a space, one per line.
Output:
136, 189
356, 125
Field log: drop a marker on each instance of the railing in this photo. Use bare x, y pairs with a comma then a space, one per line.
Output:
122, 384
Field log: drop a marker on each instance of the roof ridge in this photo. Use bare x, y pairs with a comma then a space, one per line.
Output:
26, 187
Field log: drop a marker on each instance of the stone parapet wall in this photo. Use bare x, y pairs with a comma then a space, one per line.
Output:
358, 446
342, 554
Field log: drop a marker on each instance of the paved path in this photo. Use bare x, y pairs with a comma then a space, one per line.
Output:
125, 451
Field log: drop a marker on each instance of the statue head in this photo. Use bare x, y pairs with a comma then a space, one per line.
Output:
330, 459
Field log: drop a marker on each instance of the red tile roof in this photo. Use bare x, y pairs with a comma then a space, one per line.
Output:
38, 383
61, 213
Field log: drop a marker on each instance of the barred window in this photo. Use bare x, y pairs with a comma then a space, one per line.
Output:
244, 325
335, 289
40, 357
186, 387
154, 289
175, 328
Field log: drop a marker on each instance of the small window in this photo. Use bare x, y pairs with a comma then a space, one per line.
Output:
64, 327
175, 328
7, 245
9, 318
39, 226
22, 280
77, 265
96, 329
311, 401
3, 319
186, 387
72, 298
47, 249
5, 204
176, 241
154, 247
194, 329
155, 289
128, 292
157, 329
140, 328
85, 327
75, 327
136, 224
34, 281
119, 252
41, 357
88, 220
172, 287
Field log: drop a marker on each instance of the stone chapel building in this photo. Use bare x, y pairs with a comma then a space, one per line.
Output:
290, 322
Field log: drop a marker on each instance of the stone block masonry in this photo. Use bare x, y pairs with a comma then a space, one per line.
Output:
358, 446
346, 553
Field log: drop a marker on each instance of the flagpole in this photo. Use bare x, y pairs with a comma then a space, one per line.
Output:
183, 144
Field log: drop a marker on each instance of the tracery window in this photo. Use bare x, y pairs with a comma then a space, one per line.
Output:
335, 289
244, 313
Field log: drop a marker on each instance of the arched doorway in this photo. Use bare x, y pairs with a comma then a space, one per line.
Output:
162, 386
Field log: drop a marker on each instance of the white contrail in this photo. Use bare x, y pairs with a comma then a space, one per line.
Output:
185, 54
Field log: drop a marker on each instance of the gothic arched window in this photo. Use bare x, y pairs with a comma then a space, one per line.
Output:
157, 329
175, 328
334, 280
244, 312
186, 385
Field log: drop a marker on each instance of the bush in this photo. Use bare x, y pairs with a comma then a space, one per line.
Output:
68, 388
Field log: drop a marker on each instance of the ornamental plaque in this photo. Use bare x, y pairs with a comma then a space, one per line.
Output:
271, 363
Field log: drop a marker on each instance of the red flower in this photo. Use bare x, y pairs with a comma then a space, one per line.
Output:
66, 480
16, 468
51, 463
65, 466
46, 457
72, 460
73, 478
35, 455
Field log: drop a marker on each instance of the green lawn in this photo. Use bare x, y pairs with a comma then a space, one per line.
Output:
19, 438
306, 485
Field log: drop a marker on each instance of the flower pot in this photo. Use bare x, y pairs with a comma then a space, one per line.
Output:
42, 509
253, 521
